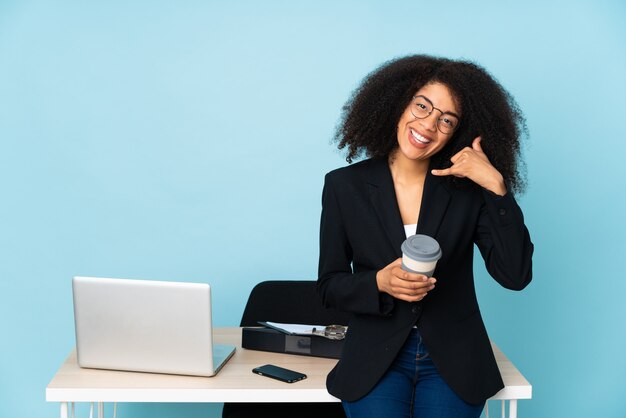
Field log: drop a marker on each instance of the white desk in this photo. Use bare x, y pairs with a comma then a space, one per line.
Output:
234, 383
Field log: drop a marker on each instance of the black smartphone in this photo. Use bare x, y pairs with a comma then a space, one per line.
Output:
279, 373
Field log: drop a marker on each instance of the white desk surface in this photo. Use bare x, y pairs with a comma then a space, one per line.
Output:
234, 383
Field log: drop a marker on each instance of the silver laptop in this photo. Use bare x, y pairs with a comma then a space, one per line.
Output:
146, 326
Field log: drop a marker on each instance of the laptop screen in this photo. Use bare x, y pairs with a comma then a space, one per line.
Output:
144, 325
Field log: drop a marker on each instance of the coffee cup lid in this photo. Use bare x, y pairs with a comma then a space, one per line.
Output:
422, 248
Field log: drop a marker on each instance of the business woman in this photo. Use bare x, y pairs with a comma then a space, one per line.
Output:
443, 140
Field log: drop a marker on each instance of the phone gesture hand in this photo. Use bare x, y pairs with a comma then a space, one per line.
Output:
474, 164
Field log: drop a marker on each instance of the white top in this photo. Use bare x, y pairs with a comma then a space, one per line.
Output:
410, 229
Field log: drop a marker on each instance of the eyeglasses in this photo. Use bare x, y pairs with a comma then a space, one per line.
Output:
421, 108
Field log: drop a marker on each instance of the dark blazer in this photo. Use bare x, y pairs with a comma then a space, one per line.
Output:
361, 232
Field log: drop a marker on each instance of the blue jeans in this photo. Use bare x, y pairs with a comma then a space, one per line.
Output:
412, 387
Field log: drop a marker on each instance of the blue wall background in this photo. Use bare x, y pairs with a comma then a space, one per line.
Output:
157, 139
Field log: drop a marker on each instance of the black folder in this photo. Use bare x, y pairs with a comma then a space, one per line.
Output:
268, 339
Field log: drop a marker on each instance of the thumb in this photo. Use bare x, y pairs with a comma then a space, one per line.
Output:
476, 144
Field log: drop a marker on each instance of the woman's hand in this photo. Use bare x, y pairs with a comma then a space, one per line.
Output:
411, 287
474, 164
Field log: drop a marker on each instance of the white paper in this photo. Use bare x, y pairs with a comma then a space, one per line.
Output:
300, 329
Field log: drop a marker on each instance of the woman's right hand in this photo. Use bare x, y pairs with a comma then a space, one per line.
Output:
400, 284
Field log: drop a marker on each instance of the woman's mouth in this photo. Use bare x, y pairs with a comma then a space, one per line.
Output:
419, 139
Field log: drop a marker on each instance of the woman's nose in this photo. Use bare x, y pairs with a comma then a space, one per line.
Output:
430, 122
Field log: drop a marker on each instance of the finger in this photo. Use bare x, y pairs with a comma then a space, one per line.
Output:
409, 296
414, 295
403, 288
455, 170
476, 144
416, 277
400, 286
419, 291
403, 281
444, 172
415, 287
408, 276
412, 298
423, 287
456, 156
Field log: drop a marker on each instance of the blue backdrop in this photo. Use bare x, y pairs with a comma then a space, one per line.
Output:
188, 141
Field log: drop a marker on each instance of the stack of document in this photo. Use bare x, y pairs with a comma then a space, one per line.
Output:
332, 332
295, 329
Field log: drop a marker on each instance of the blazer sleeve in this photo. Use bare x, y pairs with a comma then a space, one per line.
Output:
338, 286
504, 241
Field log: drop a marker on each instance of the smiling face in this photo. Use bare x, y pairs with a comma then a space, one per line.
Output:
419, 139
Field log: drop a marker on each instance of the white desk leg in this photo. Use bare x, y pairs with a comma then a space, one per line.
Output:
63, 409
487, 408
513, 408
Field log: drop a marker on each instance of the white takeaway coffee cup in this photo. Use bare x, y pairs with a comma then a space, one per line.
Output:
420, 254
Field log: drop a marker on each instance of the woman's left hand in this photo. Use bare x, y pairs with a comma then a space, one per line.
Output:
474, 164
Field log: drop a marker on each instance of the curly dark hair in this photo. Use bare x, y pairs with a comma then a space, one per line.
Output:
370, 117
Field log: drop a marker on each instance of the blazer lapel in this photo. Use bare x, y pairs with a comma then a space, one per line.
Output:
435, 202
385, 203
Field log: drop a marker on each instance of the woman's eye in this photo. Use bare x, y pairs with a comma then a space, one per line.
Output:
448, 121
